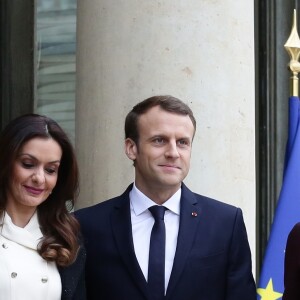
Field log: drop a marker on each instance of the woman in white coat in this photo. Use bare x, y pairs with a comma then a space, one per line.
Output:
40, 254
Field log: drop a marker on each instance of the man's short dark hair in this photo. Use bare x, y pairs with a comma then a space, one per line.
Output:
167, 103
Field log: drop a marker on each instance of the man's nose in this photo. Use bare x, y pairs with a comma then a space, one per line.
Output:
172, 150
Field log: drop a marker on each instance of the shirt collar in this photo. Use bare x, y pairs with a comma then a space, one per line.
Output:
140, 202
29, 236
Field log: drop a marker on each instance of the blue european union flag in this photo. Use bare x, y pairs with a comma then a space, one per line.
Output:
271, 285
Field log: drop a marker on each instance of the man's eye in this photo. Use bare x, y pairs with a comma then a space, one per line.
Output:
159, 140
183, 142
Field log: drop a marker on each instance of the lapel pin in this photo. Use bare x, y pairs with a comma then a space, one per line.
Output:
194, 214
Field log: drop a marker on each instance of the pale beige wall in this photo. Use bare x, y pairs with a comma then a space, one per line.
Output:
199, 51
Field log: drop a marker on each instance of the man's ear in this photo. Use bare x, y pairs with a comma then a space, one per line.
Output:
130, 149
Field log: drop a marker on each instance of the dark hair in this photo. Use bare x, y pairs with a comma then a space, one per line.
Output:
167, 103
60, 228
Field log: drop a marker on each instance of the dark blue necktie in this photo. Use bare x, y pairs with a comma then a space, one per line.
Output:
156, 268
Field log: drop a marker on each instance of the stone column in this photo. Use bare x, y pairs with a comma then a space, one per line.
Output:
199, 51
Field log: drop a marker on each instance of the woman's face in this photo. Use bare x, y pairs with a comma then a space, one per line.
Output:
34, 174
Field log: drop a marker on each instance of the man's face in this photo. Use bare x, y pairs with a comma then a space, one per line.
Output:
162, 156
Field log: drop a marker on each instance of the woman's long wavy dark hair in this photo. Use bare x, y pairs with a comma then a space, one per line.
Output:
59, 227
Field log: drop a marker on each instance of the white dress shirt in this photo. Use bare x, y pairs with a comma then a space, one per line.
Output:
142, 222
24, 274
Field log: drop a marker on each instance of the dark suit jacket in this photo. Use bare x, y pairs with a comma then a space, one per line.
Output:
292, 265
212, 260
73, 279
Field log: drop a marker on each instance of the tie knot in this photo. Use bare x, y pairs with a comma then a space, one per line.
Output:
158, 212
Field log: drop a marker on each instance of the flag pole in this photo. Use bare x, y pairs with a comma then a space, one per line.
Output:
292, 46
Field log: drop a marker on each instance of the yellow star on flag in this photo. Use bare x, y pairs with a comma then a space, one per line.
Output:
268, 293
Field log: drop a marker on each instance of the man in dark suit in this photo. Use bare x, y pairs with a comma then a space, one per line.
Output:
203, 246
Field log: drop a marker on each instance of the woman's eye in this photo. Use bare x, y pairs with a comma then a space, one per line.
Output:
51, 171
27, 165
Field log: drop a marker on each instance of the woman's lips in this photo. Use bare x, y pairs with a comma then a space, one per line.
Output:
33, 190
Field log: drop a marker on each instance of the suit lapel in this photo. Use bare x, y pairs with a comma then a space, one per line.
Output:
189, 218
121, 226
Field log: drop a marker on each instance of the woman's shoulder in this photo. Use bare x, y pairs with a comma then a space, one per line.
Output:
295, 232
